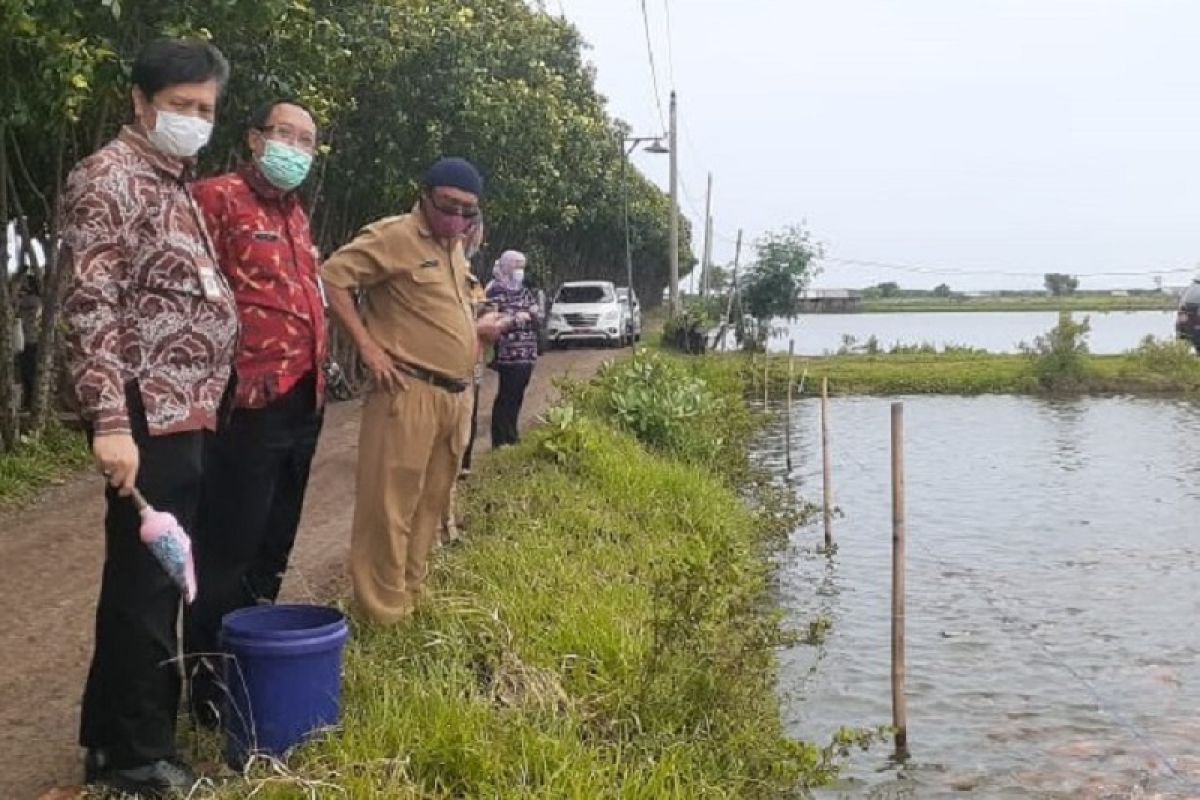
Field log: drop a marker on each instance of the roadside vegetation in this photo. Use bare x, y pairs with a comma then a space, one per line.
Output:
606, 630
27, 471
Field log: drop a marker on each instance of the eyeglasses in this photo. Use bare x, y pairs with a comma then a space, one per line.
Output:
455, 210
289, 135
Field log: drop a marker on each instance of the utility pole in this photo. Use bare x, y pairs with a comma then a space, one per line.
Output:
733, 289
625, 209
706, 258
674, 238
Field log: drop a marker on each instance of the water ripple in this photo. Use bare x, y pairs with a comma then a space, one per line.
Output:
1052, 580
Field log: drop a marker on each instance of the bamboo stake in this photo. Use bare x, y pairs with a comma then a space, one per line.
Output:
788, 413
899, 705
766, 380
826, 465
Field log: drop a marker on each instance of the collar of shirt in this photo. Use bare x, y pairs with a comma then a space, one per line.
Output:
135, 139
262, 187
423, 228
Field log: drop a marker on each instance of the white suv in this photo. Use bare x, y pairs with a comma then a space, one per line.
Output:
586, 311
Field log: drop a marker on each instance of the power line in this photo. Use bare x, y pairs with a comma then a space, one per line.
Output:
670, 44
691, 202
948, 271
662, 118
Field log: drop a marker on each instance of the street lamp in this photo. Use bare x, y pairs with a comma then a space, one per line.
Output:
655, 146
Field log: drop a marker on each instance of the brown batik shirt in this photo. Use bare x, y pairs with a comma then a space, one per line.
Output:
146, 302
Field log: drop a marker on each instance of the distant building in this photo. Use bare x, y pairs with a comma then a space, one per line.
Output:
830, 301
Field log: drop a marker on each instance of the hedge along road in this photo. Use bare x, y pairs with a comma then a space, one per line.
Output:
53, 551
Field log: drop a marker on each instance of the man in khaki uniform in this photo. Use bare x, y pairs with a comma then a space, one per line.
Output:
417, 336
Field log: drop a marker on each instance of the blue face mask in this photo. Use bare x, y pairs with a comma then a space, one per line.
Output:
283, 165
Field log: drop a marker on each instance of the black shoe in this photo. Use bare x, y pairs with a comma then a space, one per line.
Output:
95, 763
158, 779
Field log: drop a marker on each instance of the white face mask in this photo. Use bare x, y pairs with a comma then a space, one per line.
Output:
179, 135
519, 277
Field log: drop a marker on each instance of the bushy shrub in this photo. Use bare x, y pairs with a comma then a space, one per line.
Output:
1166, 356
669, 406
1059, 355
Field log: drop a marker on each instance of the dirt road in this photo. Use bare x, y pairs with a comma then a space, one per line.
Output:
50, 559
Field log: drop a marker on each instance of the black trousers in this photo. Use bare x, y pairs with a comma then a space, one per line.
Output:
466, 461
132, 693
506, 411
256, 474
26, 363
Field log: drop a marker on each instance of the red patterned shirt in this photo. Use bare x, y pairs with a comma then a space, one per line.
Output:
265, 250
146, 301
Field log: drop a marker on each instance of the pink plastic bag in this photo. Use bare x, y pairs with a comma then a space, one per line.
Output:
169, 543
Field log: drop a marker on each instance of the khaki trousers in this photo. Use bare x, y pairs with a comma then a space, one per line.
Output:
409, 450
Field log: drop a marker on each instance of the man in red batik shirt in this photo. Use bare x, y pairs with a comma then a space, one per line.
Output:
257, 466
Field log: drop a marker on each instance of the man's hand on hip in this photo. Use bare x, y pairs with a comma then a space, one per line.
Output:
381, 366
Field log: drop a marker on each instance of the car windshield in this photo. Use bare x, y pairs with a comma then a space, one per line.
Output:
1192, 295
584, 294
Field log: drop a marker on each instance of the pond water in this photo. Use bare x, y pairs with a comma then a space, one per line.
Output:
997, 331
1053, 596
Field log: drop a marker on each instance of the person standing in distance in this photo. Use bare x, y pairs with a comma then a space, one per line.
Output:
516, 352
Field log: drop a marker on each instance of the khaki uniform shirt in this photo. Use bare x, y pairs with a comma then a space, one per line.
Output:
417, 293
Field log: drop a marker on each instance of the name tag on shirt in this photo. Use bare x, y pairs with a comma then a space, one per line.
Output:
266, 236
209, 284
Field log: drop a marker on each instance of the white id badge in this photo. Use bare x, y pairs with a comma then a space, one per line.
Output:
210, 284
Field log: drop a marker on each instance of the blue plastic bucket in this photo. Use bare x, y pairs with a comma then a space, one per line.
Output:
284, 675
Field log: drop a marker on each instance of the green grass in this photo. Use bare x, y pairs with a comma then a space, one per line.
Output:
1158, 369
606, 631
1163, 302
26, 471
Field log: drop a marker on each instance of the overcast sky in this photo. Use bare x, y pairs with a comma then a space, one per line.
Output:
981, 137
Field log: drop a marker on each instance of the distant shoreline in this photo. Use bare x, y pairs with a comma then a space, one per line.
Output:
1160, 370
894, 305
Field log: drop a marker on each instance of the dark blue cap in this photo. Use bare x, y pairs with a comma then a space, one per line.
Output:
456, 173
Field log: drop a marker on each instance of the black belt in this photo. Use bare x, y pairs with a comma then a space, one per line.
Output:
451, 385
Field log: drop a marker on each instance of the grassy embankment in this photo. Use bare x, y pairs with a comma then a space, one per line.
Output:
1159, 368
605, 631
32, 466
1099, 303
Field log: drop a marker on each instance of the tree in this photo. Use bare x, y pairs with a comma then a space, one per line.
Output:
719, 278
888, 289
1060, 284
394, 84
782, 270
942, 290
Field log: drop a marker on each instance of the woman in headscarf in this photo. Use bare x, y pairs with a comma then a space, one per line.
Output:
516, 350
